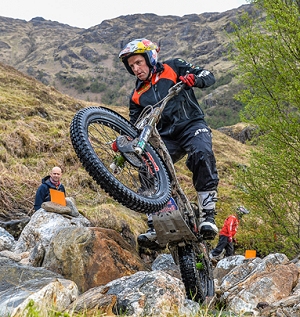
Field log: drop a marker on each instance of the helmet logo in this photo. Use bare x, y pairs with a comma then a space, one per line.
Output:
209, 198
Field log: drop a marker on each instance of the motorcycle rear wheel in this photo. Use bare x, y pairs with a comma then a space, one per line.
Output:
196, 273
144, 189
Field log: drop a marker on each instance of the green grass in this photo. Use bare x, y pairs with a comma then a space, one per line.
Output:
33, 310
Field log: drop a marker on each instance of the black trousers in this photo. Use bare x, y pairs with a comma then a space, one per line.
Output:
196, 142
223, 244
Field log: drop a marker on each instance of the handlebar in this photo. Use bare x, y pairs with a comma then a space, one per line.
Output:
154, 116
173, 91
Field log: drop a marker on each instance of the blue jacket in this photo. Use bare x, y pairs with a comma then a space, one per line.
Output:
43, 192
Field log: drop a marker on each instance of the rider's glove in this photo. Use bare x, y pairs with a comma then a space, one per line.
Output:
229, 239
189, 80
114, 146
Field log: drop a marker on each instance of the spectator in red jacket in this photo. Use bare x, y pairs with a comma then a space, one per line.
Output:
227, 234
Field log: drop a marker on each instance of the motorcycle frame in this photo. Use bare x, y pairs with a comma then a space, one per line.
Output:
176, 227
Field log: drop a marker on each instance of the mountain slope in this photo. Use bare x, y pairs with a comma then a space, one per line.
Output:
34, 129
83, 62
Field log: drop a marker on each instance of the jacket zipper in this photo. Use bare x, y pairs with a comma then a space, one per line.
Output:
155, 93
193, 103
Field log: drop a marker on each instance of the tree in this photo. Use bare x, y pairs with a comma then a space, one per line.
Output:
268, 60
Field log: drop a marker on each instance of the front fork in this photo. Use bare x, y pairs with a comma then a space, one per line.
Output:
131, 150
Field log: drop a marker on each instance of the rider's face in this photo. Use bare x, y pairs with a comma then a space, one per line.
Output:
139, 66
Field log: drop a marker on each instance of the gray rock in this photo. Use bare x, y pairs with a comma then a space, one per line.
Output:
69, 210
165, 262
15, 226
43, 226
21, 283
7, 241
141, 294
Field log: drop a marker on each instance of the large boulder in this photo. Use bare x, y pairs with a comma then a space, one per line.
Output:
141, 294
266, 280
43, 226
240, 132
225, 265
21, 284
91, 256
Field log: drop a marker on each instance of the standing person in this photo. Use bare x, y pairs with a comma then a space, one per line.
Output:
227, 234
50, 181
182, 125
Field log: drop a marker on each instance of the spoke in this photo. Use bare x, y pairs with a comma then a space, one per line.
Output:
101, 136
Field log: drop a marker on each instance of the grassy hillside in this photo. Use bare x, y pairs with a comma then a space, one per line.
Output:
34, 128
84, 64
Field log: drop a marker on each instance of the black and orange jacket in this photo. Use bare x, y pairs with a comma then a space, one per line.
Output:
179, 111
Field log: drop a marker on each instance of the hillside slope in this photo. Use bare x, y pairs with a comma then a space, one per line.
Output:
34, 128
83, 62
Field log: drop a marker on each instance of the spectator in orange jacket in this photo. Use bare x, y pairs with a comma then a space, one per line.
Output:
227, 234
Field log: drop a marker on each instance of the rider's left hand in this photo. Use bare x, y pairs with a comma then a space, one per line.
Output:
114, 146
188, 79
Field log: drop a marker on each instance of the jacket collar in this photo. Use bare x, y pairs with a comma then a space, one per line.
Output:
157, 69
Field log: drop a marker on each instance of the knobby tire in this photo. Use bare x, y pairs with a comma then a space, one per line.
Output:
198, 282
92, 132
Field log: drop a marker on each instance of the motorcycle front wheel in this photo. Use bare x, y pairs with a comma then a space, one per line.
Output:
144, 188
